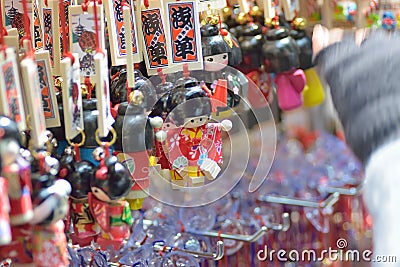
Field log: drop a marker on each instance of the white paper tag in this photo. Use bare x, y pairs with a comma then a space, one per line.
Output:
72, 97
37, 25
51, 34
49, 99
83, 37
66, 3
10, 89
117, 32
154, 38
13, 15
204, 5
105, 119
33, 98
183, 33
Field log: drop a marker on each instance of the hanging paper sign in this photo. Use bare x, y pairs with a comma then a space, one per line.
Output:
116, 32
37, 28
49, 100
51, 34
205, 5
65, 26
83, 36
289, 8
72, 97
33, 99
105, 119
13, 15
10, 89
156, 55
183, 33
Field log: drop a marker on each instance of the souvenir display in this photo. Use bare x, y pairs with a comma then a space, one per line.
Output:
142, 133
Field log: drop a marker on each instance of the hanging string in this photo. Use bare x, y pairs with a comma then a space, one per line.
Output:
96, 26
89, 87
162, 76
66, 52
27, 36
3, 30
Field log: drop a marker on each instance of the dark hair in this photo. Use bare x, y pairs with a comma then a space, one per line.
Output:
118, 181
212, 42
188, 100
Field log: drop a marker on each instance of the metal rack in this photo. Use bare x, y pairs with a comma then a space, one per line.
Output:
249, 238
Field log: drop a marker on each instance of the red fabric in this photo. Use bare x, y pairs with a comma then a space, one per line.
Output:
191, 143
50, 245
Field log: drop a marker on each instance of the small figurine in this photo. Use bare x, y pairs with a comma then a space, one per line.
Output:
5, 227
135, 140
50, 199
119, 92
313, 93
110, 184
281, 56
78, 174
194, 146
221, 50
16, 171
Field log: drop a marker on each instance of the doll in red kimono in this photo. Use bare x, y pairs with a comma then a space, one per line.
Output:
16, 172
50, 201
78, 174
194, 148
110, 184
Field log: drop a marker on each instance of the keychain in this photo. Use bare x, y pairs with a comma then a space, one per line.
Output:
281, 56
313, 93
193, 148
79, 173
50, 202
16, 171
110, 184
135, 142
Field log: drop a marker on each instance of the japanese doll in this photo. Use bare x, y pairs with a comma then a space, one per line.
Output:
119, 92
193, 146
221, 50
110, 184
313, 93
281, 57
79, 174
50, 201
135, 141
16, 173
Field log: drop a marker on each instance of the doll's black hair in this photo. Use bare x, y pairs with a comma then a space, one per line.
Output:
117, 183
212, 42
188, 100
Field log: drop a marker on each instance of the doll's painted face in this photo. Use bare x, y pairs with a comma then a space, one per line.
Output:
9, 150
101, 195
195, 121
221, 61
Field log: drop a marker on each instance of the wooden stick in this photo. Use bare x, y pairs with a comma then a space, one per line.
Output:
129, 45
